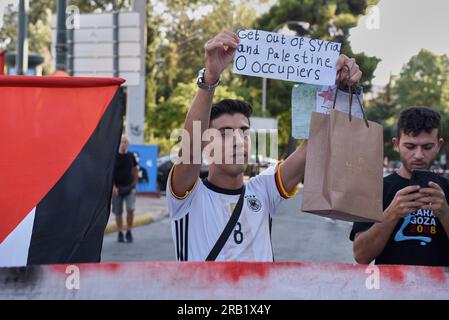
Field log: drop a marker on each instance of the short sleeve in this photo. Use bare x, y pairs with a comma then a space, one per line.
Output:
359, 227
178, 207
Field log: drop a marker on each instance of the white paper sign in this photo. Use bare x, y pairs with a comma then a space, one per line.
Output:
291, 58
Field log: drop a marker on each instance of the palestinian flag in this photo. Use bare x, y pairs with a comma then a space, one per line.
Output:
59, 138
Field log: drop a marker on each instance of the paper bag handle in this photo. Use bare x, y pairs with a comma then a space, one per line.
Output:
350, 99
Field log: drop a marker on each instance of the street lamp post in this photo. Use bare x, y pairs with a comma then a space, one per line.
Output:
304, 25
22, 42
61, 36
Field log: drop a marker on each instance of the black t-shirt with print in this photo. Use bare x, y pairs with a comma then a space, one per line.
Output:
419, 238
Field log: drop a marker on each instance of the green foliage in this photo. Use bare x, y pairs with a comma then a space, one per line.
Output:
179, 54
175, 49
329, 20
150, 61
381, 110
423, 81
88, 6
186, 30
39, 23
170, 114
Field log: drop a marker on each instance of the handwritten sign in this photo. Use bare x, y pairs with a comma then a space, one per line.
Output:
291, 58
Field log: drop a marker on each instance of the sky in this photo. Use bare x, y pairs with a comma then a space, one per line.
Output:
403, 28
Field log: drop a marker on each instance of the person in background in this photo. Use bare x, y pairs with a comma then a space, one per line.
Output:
415, 229
126, 178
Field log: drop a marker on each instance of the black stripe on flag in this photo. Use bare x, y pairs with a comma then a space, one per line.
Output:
70, 221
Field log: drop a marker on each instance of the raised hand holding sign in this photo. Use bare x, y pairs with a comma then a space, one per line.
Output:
291, 58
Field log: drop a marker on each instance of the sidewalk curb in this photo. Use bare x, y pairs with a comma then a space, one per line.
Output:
139, 220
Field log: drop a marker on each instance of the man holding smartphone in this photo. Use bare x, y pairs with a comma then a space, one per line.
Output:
415, 229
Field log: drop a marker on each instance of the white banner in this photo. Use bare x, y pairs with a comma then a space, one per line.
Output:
291, 58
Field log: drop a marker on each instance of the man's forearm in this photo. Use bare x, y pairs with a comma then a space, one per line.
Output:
199, 112
218, 54
186, 173
369, 244
293, 168
444, 220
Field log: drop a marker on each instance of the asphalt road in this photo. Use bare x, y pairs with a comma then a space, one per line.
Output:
297, 236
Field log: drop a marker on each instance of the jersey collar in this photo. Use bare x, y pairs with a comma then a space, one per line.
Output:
215, 188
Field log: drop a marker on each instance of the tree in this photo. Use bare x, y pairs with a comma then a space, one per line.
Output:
39, 23
424, 81
184, 27
170, 114
39, 28
88, 6
150, 61
382, 110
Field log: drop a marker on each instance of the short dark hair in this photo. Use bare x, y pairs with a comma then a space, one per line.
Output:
230, 106
413, 121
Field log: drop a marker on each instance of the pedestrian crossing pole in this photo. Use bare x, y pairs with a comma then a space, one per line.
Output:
61, 36
22, 40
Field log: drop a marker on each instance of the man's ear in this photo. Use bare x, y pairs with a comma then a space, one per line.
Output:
440, 143
395, 142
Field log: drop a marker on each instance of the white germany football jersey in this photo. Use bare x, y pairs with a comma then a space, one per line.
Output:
199, 218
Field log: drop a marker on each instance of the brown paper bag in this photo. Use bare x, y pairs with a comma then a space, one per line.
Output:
344, 168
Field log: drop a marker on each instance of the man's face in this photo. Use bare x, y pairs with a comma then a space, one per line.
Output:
418, 152
123, 145
233, 135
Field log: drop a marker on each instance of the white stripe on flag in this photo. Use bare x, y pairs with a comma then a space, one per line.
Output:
14, 249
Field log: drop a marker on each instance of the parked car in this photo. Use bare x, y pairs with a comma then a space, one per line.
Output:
164, 165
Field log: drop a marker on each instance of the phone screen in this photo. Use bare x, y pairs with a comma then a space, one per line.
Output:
423, 177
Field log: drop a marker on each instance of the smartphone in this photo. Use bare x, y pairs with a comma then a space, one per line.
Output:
423, 177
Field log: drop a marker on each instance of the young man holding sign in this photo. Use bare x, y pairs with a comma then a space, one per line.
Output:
221, 217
